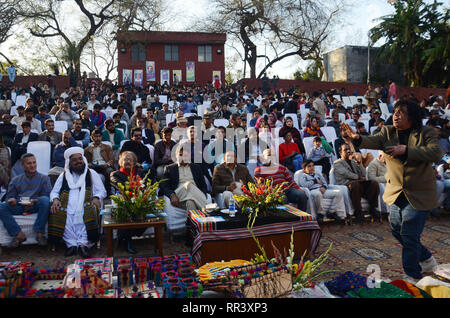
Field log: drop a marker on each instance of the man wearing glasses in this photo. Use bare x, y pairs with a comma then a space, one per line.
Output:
136, 146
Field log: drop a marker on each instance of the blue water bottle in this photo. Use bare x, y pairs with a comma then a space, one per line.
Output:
231, 207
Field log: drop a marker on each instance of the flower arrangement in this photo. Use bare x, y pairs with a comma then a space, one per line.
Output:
302, 273
137, 198
260, 197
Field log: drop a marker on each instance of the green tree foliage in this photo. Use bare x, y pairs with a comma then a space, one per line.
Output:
417, 38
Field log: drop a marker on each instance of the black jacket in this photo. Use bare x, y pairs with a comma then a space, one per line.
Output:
160, 150
172, 175
149, 137
18, 150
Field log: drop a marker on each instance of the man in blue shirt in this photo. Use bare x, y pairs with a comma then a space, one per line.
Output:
189, 106
28, 193
42, 116
156, 105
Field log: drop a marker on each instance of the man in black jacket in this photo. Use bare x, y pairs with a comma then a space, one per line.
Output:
163, 152
7, 130
135, 145
292, 105
185, 185
19, 146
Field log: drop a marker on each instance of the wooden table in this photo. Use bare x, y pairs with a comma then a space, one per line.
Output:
109, 224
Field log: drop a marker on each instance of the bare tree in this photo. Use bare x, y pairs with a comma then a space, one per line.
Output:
45, 20
8, 19
137, 15
289, 27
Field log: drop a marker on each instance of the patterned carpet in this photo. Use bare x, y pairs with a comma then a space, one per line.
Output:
354, 248
358, 246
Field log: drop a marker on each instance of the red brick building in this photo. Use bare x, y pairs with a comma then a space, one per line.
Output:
188, 57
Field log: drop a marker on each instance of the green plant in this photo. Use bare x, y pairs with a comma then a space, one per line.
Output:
136, 198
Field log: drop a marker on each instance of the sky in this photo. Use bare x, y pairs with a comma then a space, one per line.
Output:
354, 25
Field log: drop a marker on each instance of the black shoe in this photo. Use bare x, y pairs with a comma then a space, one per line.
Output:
70, 251
129, 246
83, 251
375, 215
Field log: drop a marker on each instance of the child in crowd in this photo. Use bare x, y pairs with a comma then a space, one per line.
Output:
320, 156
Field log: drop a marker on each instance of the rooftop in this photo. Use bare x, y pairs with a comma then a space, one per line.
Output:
169, 36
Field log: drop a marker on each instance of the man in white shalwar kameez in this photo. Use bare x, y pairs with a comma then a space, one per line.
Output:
85, 192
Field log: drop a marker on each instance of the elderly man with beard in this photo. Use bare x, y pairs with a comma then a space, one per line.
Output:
76, 198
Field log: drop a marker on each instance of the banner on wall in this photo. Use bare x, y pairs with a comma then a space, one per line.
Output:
138, 77
176, 76
190, 71
150, 71
127, 77
165, 76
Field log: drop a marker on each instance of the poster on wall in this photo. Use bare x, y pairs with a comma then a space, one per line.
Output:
127, 77
150, 71
165, 76
190, 71
176, 76
138, 77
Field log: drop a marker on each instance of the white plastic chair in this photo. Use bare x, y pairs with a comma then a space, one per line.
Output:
20, 100
338, 97
170, 118
385, 109
42, 151
348, 202
60, 126
221, 122
176, 217
151, 149
329, 133
308, 143
107, 143
372, 129
346, 101
13, 111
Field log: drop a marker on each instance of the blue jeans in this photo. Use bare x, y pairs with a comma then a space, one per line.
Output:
407, 225
298, 197
42, 208
297, 162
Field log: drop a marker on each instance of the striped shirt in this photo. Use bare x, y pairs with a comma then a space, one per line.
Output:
35, 186
278, 174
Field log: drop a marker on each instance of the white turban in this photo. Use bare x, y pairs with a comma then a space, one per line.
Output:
71, 151
80, 185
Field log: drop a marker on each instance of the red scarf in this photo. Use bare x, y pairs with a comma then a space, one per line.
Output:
133, 172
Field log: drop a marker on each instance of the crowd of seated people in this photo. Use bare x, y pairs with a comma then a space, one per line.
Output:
178, 140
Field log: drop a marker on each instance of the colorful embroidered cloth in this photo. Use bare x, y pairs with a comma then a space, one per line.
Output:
385, 290
410, 288
346, 282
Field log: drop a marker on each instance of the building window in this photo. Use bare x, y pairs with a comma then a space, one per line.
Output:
170, 52
138, 53
204, 53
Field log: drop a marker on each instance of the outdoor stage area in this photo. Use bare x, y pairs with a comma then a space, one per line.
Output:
354, 248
